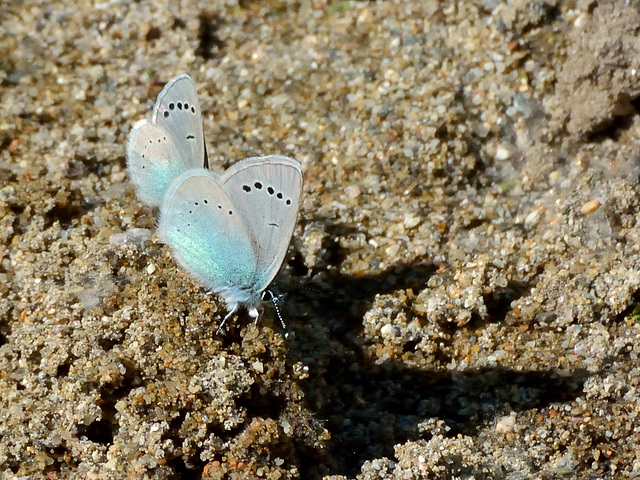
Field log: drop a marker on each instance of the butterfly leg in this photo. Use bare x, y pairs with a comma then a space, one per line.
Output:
256, 312
224, 320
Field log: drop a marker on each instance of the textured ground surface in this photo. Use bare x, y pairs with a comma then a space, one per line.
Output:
469, 229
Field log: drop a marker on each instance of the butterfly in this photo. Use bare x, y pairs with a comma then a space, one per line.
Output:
229, 231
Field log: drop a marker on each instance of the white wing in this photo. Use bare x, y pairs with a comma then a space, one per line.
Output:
266, 191
171, 143
177, 111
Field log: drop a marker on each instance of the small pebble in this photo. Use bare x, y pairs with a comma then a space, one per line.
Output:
505, 424
590, 207
258, 366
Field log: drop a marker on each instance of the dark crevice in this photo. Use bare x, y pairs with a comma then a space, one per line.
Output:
19, 223
17, 210
210, 44
633, 310
35, 358
472, 223
498, 302
39, 116
117, 258
102, 431
297, 266
75, 169
61, 454
5, 330
257, 404
67, 210
154, 33
108, 343
190, 468
175, 424
229, 336
178, 24
12, 464
613, 128
6, 176
63, 369
81, 167
410, 346
186, 471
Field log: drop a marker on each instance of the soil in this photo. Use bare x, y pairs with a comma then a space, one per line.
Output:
462, 287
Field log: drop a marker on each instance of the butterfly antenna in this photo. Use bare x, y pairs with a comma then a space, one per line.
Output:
275, 299
293, 286
277, 309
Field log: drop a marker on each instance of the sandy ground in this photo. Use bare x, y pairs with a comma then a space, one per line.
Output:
462, 287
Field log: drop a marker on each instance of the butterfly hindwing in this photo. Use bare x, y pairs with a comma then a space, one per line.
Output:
205, 229
153, 160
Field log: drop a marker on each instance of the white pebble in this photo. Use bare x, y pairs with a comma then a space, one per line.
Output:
258, 366
506, 424
502, 153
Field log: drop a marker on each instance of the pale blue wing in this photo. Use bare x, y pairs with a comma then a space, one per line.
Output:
172, 142
153, 160
206, 232
266, 192
177, 111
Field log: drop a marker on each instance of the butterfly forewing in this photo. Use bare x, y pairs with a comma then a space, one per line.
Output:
266, 191
177, 111
205, 229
